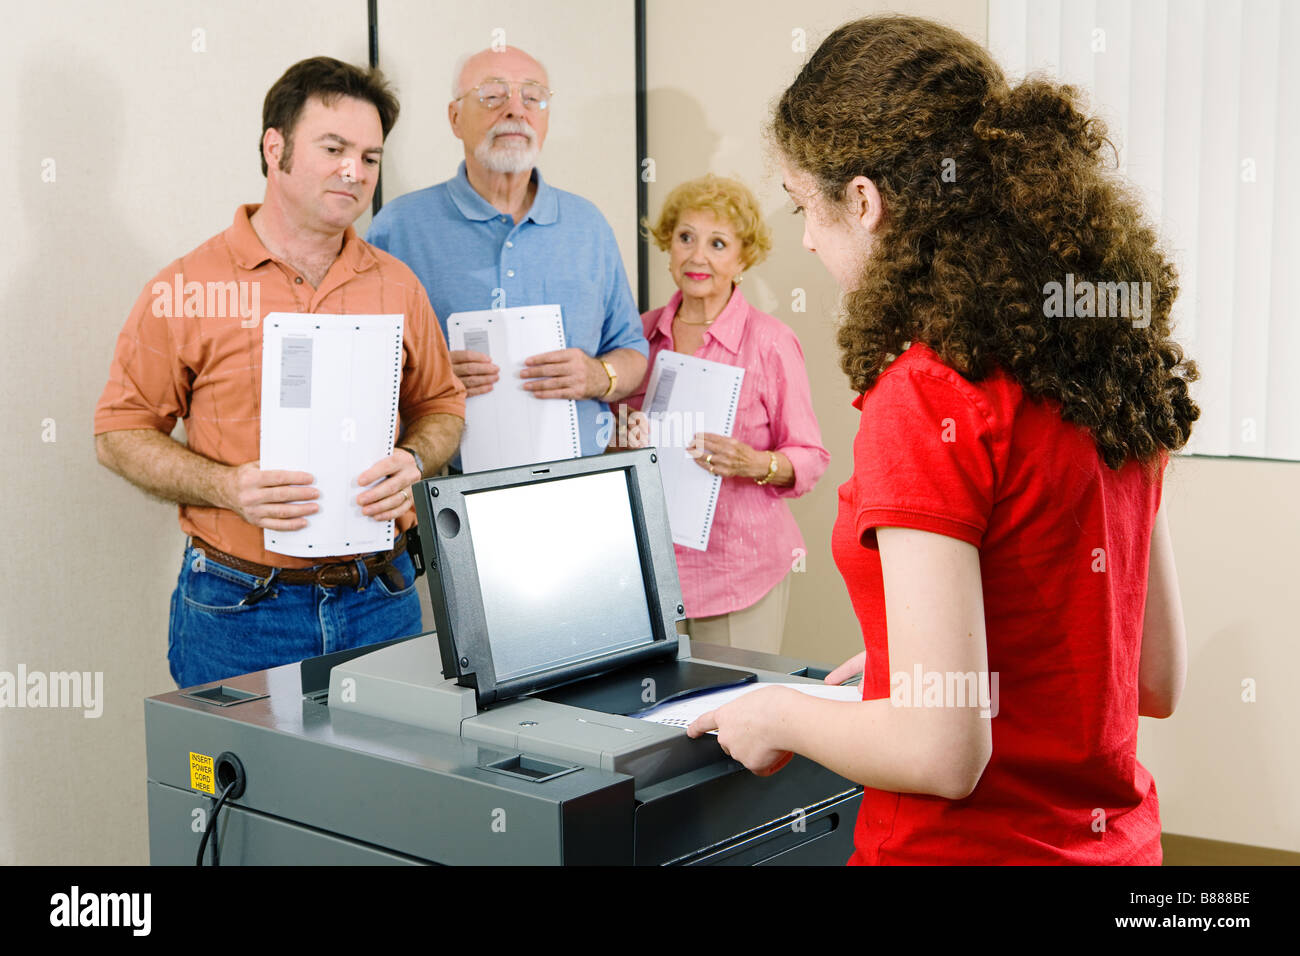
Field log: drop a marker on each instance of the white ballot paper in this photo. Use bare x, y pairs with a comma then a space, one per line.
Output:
509, 425
329, 407
683, 712
688, 395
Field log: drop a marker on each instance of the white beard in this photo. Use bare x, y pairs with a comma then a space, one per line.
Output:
506, 159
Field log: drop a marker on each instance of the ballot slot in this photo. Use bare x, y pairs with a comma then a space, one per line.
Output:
637, 688
222, 696
529, 768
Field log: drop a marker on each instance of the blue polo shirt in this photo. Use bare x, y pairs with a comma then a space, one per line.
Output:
471, 257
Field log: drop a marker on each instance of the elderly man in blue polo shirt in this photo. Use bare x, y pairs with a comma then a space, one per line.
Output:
497, 236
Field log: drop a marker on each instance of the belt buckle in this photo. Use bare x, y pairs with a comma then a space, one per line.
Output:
335, 575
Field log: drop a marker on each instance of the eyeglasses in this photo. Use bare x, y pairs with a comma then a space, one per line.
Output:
495, 92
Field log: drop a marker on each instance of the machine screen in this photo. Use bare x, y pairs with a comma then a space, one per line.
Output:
559, 571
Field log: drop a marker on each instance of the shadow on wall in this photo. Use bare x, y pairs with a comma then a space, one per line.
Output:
694, 143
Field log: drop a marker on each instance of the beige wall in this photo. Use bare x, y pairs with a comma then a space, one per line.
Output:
1225, 769
1228, 769
154, 147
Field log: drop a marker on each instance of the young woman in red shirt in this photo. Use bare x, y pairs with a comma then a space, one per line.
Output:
1001, 537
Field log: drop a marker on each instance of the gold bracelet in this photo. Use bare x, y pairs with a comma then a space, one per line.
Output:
613, 378
771, 470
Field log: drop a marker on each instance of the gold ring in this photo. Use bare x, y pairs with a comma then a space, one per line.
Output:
708, 460
406, 495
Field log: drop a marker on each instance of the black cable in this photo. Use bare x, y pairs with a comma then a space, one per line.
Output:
211, 829
642, 154
372, 28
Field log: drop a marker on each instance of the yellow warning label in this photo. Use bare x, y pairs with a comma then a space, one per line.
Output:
201, 773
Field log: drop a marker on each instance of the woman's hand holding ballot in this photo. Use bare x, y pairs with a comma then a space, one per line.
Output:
732, 458
750, 728
754, 729
853, 667
634, 431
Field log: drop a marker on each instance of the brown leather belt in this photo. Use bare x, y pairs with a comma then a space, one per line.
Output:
338, 574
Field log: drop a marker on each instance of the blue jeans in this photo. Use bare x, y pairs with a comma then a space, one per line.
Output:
213, 636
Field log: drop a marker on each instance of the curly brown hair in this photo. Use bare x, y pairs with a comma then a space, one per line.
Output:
964, 261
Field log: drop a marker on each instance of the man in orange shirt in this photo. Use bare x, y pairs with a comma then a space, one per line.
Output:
192, 349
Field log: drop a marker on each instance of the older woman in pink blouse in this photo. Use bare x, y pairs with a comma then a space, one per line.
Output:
737, 591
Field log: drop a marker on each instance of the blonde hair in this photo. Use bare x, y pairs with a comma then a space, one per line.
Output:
729, 200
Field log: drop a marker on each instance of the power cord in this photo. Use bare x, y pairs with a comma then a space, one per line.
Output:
230, 773
210, 831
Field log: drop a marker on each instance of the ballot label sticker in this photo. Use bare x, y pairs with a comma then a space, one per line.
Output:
295, 372
201, 773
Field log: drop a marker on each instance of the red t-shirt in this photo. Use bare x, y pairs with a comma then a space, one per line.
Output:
1064, 543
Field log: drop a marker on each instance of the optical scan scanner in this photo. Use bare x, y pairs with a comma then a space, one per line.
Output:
509, 735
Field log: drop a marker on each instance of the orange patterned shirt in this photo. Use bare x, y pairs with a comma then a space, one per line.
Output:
192, 349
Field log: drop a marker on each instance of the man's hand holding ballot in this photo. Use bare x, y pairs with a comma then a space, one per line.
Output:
572, 373
435, 438
566, 373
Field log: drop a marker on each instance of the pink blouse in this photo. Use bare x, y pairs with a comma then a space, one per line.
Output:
754, 539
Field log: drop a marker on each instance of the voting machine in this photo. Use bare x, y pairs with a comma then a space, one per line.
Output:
509, 735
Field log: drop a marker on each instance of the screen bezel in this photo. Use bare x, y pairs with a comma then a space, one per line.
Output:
453, 579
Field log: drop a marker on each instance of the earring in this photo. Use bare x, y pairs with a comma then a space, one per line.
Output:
739, 279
